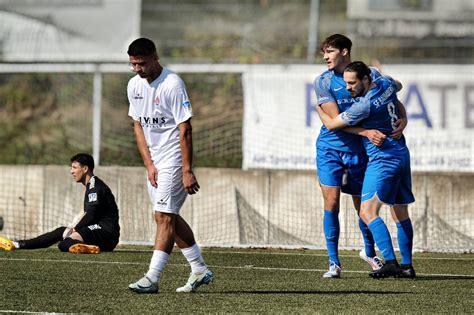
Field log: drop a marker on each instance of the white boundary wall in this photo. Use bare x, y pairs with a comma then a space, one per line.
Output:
235, 207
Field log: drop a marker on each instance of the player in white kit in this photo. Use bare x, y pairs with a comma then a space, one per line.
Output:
161, 111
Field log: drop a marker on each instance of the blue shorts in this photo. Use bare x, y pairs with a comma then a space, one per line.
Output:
390, 179
332, 165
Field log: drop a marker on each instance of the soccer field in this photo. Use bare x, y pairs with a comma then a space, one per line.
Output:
247, 280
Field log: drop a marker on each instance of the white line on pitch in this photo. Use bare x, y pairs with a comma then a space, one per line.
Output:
26, 312
325, 255
298, 254
213, 266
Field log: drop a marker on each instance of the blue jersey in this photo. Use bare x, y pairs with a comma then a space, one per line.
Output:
330, 87
378, 110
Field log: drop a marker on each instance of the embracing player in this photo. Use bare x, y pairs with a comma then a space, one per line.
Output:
387, 179
341, 158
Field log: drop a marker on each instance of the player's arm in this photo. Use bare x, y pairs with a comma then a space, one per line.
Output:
89, 216
331, 123
186, 144
374, 136
92, 206
351, 117
402, 122
86, 220
331, 109
145, 153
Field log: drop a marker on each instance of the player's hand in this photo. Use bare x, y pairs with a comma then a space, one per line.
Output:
376, 137
152, 175
190, 182
401, 124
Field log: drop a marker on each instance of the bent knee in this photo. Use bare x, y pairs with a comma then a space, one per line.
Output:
366, 216
66, 243
66, 232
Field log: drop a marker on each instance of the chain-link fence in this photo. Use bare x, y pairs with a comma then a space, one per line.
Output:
48, 117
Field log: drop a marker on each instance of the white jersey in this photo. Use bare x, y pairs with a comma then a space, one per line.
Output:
160, 106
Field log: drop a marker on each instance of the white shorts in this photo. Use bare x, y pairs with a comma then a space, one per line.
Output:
169, 195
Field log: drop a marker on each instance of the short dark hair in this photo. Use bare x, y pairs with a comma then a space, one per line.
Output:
360, 69
84, 159
338, 41
141, 47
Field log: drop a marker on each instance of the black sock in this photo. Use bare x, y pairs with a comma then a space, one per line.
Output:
44, 240
66, 243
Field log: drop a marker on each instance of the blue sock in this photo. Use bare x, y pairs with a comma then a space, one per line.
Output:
331, 232
369, 243
382, 238
405, 240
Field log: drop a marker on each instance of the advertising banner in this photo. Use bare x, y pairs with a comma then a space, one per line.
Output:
281, 124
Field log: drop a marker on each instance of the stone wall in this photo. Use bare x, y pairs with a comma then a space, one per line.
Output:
235, 207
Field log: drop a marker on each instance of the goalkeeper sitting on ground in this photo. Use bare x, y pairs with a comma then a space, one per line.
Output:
97, 230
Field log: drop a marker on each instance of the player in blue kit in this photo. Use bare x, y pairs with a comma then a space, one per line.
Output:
387, 179
341, 157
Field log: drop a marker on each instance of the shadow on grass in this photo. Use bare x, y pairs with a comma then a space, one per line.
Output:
308, 292
441, 277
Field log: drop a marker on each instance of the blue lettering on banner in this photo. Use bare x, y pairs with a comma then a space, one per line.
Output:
413, 90
443, 90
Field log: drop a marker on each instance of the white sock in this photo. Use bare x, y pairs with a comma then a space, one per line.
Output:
193, 255
157, 264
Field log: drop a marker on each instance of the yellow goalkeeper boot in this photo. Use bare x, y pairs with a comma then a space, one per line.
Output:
6, 244
81, 248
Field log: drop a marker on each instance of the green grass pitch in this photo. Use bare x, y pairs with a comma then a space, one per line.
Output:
247, 281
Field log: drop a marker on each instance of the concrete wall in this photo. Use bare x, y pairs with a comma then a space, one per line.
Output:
235, 207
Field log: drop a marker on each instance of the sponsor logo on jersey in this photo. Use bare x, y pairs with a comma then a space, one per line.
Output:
92, 197
346, 101
186, 104
138, 96
152, 121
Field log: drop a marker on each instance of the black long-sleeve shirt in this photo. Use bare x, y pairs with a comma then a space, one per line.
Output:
100, 207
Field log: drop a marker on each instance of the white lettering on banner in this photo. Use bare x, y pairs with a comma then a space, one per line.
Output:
439, 100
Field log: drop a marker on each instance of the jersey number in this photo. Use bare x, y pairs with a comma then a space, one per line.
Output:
393, 115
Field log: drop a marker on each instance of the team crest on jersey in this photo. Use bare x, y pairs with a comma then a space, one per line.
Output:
186, 104
92, 183
92, 197
156, 101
